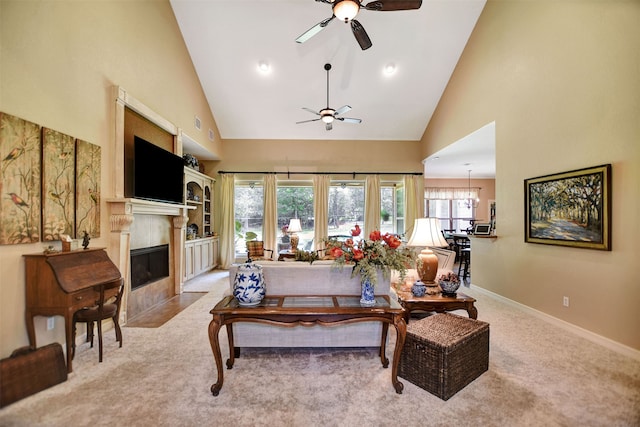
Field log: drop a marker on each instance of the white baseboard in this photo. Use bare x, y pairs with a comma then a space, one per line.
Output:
598, 339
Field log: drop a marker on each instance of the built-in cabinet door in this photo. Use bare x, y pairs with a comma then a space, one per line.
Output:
189, 258
214, 253
206, 255
197, 256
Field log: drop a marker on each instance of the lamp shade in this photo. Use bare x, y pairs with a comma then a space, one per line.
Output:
294, 226
427, 232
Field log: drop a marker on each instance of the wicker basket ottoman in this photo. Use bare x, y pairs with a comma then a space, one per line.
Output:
444, 352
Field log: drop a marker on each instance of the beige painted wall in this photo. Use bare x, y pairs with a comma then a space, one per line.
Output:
560, 79
59, 63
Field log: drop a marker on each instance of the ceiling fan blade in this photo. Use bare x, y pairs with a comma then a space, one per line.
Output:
307, 121
349, 119
311, 111
342, 109
387, 5
314, 30
361, 35
329, 126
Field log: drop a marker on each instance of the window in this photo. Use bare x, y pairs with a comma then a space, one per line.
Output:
346, 208
249, 213
454, 215
297, 202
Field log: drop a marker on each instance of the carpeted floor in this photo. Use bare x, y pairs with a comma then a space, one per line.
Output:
539, 375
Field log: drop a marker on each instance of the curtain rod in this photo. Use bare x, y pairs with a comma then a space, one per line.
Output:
289, 173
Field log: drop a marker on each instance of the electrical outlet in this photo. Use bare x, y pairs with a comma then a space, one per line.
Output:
565, 301
51, 323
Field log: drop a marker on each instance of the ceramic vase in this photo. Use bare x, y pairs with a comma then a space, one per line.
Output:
418, 289
248, 286
367, 297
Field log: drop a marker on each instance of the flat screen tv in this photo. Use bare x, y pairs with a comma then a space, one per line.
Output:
157, 173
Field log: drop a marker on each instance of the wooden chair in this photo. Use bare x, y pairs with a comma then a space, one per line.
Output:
256, 251
107, 306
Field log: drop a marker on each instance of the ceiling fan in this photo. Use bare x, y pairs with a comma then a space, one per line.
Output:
346, 10
328, 115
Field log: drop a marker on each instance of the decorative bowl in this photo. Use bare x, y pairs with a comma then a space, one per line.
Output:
449, 287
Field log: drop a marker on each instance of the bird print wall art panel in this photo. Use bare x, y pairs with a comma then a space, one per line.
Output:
20, 173
58, 185
87, 189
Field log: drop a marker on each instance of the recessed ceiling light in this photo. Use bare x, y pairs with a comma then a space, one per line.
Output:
390, 68
264, 67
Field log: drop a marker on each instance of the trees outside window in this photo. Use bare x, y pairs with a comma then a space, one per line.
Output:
346, 208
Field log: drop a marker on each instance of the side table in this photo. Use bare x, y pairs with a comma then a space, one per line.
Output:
285, 254
438, 303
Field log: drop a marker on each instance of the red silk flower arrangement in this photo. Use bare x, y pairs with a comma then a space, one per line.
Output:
381, 252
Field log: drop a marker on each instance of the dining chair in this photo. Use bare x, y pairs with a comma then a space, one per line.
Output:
107, 306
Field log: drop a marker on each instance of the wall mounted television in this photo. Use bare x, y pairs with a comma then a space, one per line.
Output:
157, 173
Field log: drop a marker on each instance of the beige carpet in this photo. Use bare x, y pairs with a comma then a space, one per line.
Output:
539, 375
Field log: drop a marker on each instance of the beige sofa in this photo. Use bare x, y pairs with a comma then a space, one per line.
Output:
302, 278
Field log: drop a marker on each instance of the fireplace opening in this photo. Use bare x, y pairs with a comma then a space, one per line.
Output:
148, 265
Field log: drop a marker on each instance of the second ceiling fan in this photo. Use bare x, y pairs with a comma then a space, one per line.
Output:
328, 114
346, 11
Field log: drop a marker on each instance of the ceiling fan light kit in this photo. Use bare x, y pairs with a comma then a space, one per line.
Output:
328, 114
347, 10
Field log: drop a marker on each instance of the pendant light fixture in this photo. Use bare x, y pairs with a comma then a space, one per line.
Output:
470, 202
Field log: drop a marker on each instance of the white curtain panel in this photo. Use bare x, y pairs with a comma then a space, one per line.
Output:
371, 204
270, 219
451, 193
413, 201
227, 223
320, 209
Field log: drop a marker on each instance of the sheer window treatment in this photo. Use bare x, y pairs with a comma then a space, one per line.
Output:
227, 222
320, 209
451, 193
414, 195
371, 204
270, 219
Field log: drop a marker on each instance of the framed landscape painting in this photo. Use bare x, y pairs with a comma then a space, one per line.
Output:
570, 208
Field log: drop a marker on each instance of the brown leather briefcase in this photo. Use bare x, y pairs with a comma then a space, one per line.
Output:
28, 371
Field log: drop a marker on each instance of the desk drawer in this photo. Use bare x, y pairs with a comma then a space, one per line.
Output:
83, 298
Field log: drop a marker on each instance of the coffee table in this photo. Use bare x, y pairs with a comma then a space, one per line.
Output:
438, 303
307, 310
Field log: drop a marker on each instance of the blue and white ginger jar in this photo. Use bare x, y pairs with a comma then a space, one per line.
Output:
249, 287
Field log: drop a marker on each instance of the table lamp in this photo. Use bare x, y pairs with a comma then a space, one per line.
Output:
426, 232
294, 227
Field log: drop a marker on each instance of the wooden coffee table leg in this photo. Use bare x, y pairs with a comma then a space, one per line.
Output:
232, 350
214, 329
383, 345
401, 333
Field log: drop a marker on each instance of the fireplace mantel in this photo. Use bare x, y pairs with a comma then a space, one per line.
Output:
147, 207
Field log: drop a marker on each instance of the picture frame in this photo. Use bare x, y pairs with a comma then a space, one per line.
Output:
570, 208
482, 229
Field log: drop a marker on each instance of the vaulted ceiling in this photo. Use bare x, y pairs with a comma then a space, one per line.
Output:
228, 40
